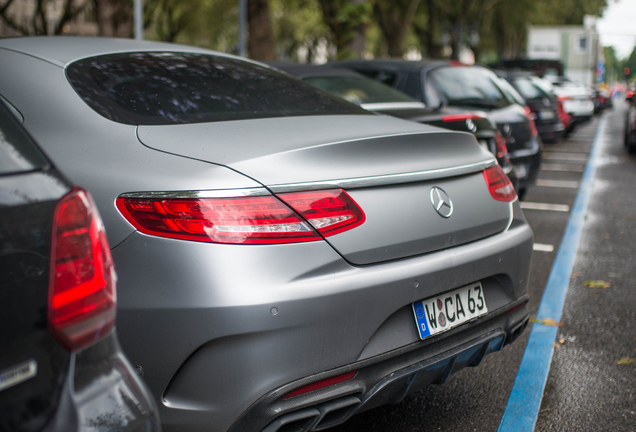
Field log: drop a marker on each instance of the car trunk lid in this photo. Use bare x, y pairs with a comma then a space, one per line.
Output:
389, 167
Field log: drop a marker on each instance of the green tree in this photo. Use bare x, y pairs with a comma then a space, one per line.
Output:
299, 27
347, 20
394, 18
41, 23
165, 19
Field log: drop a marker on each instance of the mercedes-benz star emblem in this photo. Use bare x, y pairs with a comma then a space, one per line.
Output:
441, 202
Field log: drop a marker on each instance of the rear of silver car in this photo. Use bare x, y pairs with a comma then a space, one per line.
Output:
303, 335
245, 303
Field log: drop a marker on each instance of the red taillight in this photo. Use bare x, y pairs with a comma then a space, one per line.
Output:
502, 148
322, 384
329, 211
530, 114
460, 117
564, 116
82, 287
245, 220
499, 185
629, 94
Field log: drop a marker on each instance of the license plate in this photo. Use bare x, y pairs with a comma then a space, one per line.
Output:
520, 170
546, 115
439, 314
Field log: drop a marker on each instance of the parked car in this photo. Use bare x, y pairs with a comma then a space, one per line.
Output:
61, 367
445, 83
382, 99
576, 99
543, 105
285, 258
629, 138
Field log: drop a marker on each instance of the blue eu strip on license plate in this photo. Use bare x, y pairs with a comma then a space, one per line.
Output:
446, 311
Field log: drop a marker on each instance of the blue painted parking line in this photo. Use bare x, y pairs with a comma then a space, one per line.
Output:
525, 398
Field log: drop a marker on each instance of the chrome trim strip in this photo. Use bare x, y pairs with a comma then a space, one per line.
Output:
18, 374
392, 105
384, 180
221, 193
512, 213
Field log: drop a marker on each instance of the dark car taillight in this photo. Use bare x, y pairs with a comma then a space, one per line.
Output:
461, 117
501, 147
82, 293
529, 114
499, 185
285, 218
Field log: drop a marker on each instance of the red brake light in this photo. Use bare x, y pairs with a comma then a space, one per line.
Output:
322, 384
460, 117
329, 211
529, 114
245, 220
502, 149
499, 185
82, 287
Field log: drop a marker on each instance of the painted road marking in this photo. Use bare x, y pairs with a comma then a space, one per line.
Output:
544, 206
525, 398
562, 167
558, 183
543, 247
579, 157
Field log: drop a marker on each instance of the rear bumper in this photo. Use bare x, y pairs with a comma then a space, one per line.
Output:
224, 332
531, 159
550, 132
102, 392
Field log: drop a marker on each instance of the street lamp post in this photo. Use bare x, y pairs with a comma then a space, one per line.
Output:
139, 20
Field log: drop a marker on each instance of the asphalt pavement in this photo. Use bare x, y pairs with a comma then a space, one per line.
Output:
592, 376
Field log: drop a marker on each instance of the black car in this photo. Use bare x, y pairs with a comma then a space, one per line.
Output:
382, 99
61, 368
452, 84
543, 106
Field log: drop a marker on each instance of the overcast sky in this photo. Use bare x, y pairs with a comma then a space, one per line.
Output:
617, 27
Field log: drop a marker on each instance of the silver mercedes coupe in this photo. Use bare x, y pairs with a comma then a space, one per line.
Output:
285, 258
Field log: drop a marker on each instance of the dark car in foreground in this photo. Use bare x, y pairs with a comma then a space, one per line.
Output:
61, 367
543, 105
446, 83
382, 99
286, 259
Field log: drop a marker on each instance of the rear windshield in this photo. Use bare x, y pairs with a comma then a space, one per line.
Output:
528, 89
468, 86
18, 153
358, 90
169, 88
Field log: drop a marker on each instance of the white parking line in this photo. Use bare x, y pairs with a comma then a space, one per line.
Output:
562, 167
543, 206
558, 183
543, 247
579, 157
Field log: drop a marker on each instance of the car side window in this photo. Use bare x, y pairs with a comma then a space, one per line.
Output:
432, 97
413, 86
385, 77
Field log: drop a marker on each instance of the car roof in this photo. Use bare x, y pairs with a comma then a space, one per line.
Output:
61, 50
396, 64
311, 70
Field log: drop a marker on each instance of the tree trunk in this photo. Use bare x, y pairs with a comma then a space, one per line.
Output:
434, 47
395, 21
260, 41
114, 18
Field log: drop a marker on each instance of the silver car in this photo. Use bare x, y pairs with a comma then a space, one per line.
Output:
285, 258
